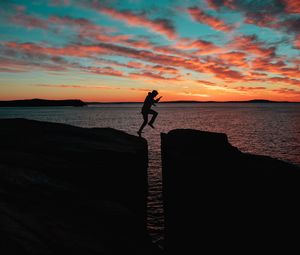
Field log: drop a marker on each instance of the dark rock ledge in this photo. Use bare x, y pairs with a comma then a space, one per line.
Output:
70, 190
218, 200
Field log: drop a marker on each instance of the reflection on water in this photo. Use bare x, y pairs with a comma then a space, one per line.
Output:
267, 129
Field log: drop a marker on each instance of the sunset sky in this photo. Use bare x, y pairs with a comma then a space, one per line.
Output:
117, 50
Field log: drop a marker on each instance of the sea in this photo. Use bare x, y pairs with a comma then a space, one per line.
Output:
271, 129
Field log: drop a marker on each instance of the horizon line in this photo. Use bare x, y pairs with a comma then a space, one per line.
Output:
170, 101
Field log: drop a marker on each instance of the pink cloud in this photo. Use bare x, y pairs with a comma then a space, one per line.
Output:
225, 73
86, 29
20, 65
266, 20
29, 22
80, 22
202, 46
215, 4
169, 50
161, 26
89, 30
297, 42
174, 61
102, 37
139, 43
207, 83
163, 69
292, 6
19, 8
154, 76
103, 71
50, 59
205, 66
250, 44
278, 67
70, 50
198, 15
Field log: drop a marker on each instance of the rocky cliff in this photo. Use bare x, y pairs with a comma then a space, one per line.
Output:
71, 190
218, 199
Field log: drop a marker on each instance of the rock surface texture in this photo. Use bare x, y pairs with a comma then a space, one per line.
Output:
218, 199
70, 190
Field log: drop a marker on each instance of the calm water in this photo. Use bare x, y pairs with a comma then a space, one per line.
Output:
267, 129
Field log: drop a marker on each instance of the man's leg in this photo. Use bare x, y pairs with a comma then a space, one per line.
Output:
154, 115
145, 117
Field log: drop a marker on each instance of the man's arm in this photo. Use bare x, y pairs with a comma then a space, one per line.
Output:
157, 100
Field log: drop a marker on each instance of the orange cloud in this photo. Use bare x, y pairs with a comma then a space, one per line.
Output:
285, 80
242, 88
287, 91
161, 26
193, 94
198, 15
234, 58
75, 86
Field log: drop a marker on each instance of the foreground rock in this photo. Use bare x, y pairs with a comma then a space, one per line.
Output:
219, 200
69, 190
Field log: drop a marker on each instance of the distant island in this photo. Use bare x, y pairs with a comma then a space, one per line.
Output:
41, 102
196, 102
36, 102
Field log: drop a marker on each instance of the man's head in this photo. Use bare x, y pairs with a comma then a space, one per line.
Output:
154, 92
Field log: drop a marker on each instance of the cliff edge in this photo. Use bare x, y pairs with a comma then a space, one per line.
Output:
218, 199
71, 190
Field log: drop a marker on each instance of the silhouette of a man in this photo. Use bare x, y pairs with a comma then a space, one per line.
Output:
146, 109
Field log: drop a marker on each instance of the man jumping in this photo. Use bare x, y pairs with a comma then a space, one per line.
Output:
146, 109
